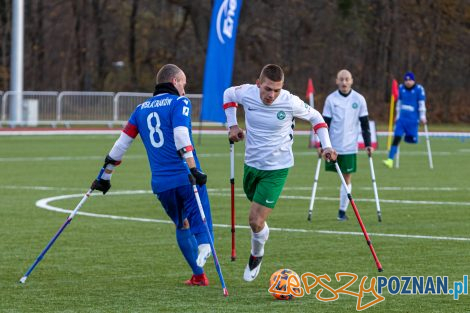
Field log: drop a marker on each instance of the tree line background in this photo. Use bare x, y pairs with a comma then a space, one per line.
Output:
118, 45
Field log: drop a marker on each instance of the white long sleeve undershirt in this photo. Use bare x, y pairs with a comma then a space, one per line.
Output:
181, 137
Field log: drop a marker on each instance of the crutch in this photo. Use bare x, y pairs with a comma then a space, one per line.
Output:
428, 143
366, 235
397, 158
374, 184
203, 216
314, 189
232, 195
61, 229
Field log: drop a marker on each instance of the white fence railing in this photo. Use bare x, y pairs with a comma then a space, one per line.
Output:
77, 108
36, 106
125, 102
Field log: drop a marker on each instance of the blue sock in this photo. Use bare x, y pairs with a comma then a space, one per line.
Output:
188, 246
202, 238
393, 151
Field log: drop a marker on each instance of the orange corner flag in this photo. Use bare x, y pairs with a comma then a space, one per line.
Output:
395, 90
393, 99
310, 88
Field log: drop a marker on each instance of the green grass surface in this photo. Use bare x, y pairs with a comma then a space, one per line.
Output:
383, 126
110, 265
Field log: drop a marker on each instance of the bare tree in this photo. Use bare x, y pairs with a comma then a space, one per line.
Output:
99, 16
71, 44
5, 39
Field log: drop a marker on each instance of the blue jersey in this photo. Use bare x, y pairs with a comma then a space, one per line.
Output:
409, 102
155, 120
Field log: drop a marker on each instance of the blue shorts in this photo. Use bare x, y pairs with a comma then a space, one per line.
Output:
407, 128
180, 204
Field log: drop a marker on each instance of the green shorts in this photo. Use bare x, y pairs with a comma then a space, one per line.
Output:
346, 162
264, 187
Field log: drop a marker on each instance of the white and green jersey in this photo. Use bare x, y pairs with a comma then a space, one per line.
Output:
269, 128
344, 112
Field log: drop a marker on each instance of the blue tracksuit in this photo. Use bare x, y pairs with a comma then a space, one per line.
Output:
408, 121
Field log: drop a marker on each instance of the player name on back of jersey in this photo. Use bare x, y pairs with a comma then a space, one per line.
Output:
156, 103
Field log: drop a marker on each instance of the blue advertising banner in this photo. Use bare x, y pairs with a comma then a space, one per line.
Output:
219, 59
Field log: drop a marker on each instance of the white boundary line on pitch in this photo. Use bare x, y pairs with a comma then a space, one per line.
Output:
220, 192
384, 188
200, 155
44, 204
39, 132
424, 202
389, 188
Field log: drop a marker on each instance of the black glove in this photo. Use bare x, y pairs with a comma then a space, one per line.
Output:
200, 176
109, 160
101, 185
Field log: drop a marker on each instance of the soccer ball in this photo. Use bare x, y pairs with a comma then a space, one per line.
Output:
284, 274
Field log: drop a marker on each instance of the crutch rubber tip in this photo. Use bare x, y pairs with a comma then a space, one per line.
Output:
225, 292
23, 279
234, 258
381, 270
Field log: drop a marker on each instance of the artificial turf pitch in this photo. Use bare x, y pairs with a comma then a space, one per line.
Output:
132, 264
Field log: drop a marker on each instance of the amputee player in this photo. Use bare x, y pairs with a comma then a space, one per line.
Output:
164, 124
269, 119
345, 109
411, 108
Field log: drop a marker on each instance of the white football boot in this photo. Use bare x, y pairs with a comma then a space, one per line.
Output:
252, 268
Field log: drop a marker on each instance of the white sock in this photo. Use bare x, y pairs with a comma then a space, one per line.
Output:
343, 198
258, 240
204, 251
